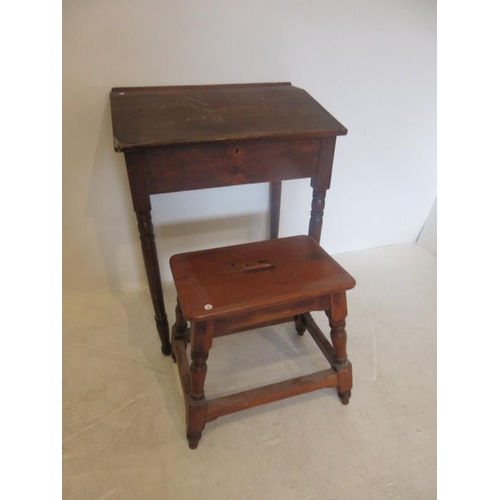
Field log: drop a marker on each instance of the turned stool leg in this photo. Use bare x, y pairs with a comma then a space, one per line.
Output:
336, 317
179, 330
342, 365
201, 342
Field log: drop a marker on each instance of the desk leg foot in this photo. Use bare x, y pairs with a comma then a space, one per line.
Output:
162, 327
300, 324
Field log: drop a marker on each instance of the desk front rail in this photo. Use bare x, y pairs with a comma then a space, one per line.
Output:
184, 168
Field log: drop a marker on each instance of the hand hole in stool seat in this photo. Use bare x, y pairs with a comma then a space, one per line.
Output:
257, 268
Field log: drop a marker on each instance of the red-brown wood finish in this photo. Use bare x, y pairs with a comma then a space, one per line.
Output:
273, 273
181, 138
239, 287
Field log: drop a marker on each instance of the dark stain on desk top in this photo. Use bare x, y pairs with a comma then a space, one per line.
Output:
149, 117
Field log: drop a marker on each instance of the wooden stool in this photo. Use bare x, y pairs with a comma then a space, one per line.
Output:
242, 287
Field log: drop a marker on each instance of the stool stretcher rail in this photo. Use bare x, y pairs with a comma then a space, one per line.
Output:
270, 393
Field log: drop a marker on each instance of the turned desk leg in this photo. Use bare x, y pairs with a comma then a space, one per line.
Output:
336, 317
317, 210
274, 212
320, 185
274, 216
300, 324
150, 255
315, 225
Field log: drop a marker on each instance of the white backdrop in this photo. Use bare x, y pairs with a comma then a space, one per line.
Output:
371, 63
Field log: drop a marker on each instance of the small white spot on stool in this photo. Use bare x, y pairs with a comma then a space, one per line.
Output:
208, 307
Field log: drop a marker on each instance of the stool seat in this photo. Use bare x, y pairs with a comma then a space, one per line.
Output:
254, 276
242, 287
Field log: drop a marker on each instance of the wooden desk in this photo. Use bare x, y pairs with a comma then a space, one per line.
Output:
197, 137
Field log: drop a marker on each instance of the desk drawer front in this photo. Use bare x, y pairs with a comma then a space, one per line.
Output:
200, 167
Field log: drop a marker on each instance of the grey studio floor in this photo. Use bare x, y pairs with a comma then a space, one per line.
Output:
123, 412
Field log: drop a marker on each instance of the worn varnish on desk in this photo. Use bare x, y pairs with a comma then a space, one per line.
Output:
159, 116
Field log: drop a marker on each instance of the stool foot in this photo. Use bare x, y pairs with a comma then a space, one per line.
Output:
300, 324
344, 397
194, 439
166, 350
